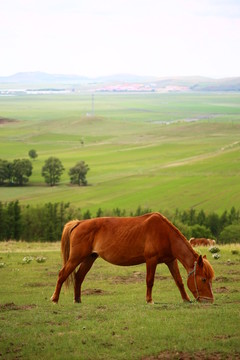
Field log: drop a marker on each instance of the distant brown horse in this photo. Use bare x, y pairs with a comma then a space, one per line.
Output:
150, 239
202, 242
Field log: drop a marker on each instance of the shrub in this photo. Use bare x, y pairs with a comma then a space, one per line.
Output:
200, 231
230, 234
214, 249
27, 259
40, 259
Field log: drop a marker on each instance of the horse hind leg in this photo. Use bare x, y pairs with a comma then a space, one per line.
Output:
174, 270
63, 275
84, 268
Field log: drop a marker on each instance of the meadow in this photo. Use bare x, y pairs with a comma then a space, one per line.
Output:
113, 321
157, 151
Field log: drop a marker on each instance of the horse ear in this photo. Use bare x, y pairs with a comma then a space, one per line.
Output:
204, 256
200, 261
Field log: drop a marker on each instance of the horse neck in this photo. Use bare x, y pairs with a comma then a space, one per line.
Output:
184, 252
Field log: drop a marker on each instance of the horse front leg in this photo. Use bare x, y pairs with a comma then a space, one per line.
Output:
174, 270
151, 265
84, 267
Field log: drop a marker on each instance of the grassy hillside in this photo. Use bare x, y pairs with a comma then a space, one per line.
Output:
155, 150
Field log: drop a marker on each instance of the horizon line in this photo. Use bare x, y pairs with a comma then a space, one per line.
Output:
120, 74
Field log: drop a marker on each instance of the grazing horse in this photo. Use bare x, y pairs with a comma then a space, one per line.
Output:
125, 241
202, 242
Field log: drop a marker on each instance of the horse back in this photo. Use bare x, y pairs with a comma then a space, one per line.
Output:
201, 242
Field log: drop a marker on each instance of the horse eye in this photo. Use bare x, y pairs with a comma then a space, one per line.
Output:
204, 279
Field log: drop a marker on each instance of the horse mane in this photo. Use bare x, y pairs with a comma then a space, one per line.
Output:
177, 231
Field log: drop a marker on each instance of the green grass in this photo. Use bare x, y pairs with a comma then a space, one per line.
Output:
134, 159
113, 321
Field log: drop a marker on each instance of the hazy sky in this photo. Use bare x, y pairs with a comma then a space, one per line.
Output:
103, 37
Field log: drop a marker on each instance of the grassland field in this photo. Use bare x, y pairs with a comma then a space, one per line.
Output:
113, 321
159, 151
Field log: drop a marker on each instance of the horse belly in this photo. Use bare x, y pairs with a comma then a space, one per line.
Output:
122, 259
120, 252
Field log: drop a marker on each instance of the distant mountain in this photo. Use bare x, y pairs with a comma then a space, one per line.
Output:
41, 77
122, 81
201, 83
227, 84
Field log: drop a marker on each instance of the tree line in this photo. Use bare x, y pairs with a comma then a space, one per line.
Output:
45, 222
17, 172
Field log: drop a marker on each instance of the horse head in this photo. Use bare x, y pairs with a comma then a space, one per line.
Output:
200, 280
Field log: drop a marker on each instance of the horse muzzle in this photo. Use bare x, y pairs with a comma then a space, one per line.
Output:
203, 299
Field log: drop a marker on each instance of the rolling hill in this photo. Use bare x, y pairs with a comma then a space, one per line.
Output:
122, 82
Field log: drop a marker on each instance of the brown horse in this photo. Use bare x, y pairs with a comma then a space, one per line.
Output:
202, 242
150, 239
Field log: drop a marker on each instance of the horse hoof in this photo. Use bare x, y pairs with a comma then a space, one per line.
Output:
151, 302
54, 300
77, 301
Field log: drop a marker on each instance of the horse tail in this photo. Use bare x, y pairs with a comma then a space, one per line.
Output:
65, 245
